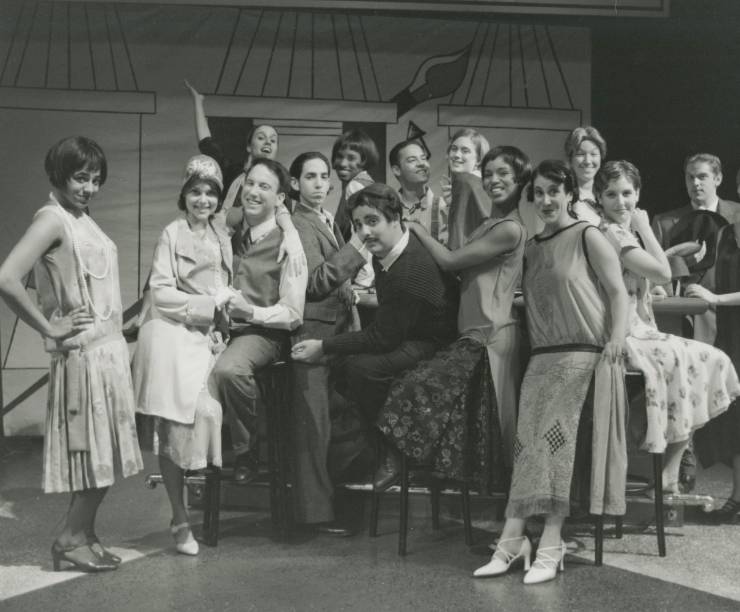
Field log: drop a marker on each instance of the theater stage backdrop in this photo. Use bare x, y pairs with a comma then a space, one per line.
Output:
114, 71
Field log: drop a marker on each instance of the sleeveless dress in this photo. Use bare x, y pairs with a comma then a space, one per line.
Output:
568, 327
177, 347
446, 406
90, 431
687, 382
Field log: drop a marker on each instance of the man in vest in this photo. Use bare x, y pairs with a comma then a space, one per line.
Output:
267, 305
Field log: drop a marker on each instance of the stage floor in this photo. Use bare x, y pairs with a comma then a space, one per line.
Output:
249, 570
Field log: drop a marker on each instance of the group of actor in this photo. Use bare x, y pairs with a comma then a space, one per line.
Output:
446, 365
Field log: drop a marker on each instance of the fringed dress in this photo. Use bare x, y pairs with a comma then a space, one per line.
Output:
568, 327
90, 432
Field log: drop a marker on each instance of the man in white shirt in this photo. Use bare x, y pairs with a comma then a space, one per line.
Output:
267, 305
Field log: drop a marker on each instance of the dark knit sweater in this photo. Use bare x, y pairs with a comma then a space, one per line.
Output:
416, 301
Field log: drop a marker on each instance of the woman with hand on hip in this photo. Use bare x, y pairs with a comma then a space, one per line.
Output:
576, 308
180, 335
90, 427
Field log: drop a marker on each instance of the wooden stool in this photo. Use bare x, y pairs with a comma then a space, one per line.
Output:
275, 394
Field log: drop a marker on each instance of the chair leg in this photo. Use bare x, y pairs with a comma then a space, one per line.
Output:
599, 540
618, 527
467, 523
659, 524
374, 511
404, 512
435, 493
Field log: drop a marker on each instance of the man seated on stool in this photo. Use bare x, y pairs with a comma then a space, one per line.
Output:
328, 311
417, 310
266, 306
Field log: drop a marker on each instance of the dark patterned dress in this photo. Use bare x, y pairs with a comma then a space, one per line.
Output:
449, 411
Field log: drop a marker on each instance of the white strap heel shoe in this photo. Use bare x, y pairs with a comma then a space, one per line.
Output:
190, 545
546, 564
502, 559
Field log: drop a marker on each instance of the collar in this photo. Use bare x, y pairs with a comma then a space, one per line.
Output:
259, 231
712, 206
413, 203
395, 252
324, 214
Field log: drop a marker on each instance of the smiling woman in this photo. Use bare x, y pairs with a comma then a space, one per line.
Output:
586, 150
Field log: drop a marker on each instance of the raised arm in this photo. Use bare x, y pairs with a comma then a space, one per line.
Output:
502, 239
606, 265
650, 262
201, 123
45, 232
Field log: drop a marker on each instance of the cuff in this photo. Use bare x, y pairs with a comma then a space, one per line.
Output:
200, 310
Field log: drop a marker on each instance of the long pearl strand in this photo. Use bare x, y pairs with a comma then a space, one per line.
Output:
82, 269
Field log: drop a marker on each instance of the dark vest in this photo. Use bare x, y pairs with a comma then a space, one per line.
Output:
256, 270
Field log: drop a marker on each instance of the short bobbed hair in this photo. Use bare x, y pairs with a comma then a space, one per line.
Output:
479, 141
360, 142
72, 154
614, 170
517, 161
194, 180
379, 196
558, 172
578, 135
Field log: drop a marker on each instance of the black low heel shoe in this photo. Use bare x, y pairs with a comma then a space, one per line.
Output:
81, 557
102, 552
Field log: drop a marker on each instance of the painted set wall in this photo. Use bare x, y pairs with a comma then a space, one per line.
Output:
114, 72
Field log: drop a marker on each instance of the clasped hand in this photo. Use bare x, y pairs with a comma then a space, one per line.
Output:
308, 351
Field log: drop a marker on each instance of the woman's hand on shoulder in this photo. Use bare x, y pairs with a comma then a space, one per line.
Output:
415, 227
292, 248
697, 291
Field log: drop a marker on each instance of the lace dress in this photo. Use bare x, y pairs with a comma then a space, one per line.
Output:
90, 432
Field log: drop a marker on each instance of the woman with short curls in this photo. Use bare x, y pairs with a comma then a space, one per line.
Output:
576, 308
90, 430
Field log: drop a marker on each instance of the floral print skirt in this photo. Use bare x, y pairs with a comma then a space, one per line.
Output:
687, 383
105, 402
443, 414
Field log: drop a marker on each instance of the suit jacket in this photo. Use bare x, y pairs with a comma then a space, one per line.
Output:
663, 223
331, 263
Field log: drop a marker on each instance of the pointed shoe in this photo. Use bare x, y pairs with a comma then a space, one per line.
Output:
102, 552
190, 545
502, 559
546, 564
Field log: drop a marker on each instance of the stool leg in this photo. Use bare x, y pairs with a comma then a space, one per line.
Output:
619, 527
213, 506
434, 490
465, 491
403, 532
659, 524
599, 540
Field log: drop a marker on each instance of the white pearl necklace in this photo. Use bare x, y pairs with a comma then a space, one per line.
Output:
82, 269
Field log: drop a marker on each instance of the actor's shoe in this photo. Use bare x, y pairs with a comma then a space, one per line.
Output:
546, 564
246, 468
81, 557
502, 559
389, 471
190, 545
